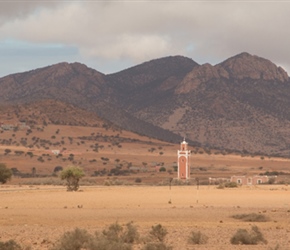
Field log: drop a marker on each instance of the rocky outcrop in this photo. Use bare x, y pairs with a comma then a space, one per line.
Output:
198, 75
245, 65
242, 66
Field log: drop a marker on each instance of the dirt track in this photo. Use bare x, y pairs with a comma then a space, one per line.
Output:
37, 216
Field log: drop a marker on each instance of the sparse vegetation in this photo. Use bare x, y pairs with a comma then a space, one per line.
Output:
74, 240
227, 185
157, 236
117, 233
197, 238
10, 245
138, 180
5, 173
243, 237
252, 217
72, 175
273, 173
158, 232
115, 237
231, 184
156, 246
58, 169
7, 151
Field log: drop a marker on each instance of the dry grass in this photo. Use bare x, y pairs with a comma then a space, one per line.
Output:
135, 151
35, 211
37, 216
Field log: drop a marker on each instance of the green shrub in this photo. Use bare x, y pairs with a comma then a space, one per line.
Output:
117, 233
221, 186
243, 237
252, 217
9, 245
158, 232
197, 238
74, 240
72, 175
115, 237
5, 173
138, 180
131, 234
113, 233
227, 185
271, 180
231, 184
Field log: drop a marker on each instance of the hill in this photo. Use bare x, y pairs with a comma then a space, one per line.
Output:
237, 105
241, 104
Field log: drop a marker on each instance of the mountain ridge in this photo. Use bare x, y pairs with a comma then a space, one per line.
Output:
239, 104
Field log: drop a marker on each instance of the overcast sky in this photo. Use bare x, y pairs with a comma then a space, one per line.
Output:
113, 35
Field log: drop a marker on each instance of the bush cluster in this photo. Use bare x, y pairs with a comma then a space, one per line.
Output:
115, 237
252, 217
9, 245
197, 238
227, 185
157, 237
123, 237
243, 237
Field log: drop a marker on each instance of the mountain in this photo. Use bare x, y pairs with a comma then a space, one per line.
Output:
75, 84
241, 104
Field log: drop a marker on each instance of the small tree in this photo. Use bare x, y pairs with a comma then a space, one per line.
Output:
7, 151
57, 169
5, 173
72, 175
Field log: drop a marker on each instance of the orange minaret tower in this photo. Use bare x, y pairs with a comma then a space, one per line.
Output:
183, 161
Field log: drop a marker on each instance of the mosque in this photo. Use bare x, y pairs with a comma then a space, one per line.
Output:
183, 161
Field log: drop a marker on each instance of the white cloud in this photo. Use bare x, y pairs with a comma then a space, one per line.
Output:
142, 30
136, 47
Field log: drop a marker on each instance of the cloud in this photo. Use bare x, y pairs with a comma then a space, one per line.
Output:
137, 31
137, 47
20, 9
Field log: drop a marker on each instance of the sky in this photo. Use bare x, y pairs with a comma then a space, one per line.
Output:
110, 36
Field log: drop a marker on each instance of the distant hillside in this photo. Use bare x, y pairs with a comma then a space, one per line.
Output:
241, 104
49, 112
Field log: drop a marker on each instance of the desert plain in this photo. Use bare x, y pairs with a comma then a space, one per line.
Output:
36, 216
36, 210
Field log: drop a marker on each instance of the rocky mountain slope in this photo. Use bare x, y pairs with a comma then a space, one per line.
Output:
240, 104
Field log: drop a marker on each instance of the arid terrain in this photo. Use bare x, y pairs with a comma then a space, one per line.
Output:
239, 105
124, 183
110, 154
37, 216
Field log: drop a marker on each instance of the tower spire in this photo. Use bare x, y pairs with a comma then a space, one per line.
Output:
183, 161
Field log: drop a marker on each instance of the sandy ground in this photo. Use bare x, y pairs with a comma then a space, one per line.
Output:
37, 215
